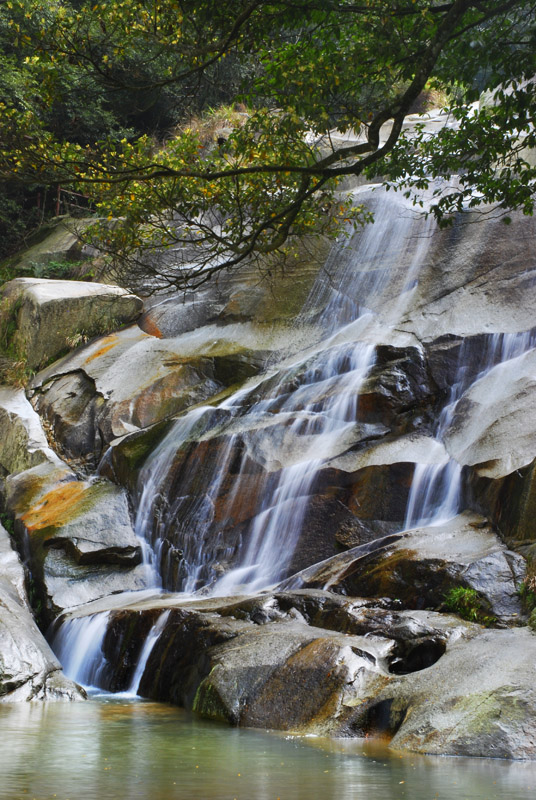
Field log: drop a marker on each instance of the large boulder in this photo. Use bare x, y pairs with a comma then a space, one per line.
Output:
29, 669
93, 396
421, 567
23, 443
475, 281
313, 662
478, 700
266, 289
77, 538
50, 317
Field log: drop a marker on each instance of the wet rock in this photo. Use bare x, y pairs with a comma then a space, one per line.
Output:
475, 282
398, 391
487, 710
53, 316
282, 674
282, 660
267, 289
511, 503
76, 536
489, 428
93, 396
28, 668
419, 567
23, 443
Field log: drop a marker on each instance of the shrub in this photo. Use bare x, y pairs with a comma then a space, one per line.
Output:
469, 605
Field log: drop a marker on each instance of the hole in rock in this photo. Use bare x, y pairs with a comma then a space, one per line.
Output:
414, 656
382, 720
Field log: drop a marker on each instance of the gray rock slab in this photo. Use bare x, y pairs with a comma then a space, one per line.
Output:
77, 535
478, 700
420, 566
54, 315
476, 281
29, 669
23, 443
494, 423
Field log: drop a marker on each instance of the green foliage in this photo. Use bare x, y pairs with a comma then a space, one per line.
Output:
7, 521
59, 269
468, 604
94, 90
527, 588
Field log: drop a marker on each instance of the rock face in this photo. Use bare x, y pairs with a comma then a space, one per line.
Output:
94, 396
23, 443
420, 566
367, 464
76, 536
52, 316
29, 669
314, 662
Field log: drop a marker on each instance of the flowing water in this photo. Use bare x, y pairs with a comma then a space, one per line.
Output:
297, 414
313, 396
308, 404
135, 750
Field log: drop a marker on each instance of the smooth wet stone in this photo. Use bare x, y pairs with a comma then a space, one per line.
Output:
476, 281
53, 315
511, 503
493, 425
478, 700
93, 396
310, 661
29, 669
419, 567
76, 535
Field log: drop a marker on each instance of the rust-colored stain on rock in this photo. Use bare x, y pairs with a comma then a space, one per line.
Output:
107, 343
56, 507
149, 326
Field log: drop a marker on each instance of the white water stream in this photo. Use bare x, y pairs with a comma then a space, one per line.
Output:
311, 401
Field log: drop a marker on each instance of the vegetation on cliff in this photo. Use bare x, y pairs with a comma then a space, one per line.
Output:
99, 101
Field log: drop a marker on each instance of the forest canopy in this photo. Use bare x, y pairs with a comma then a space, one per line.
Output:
222, 130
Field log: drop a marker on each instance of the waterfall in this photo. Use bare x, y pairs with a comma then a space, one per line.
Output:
436, 491
277, 526
78, 645
222, 501
146, 651
294, 417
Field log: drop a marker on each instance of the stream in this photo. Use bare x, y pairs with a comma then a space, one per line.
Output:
118, 749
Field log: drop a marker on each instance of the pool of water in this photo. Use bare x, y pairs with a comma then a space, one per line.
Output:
111, 748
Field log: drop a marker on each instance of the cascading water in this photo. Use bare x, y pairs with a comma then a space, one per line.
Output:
436, 491
211, 517
78, 645
313, 400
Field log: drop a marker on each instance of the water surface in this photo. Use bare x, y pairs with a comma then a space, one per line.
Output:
113, 748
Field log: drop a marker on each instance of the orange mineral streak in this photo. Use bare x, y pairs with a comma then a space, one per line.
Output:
107, 343
150, 327
56, 507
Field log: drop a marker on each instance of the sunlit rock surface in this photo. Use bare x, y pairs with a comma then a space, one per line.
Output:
314, 662
76, 535
420, 566
52, 316
29, 670
23, 443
